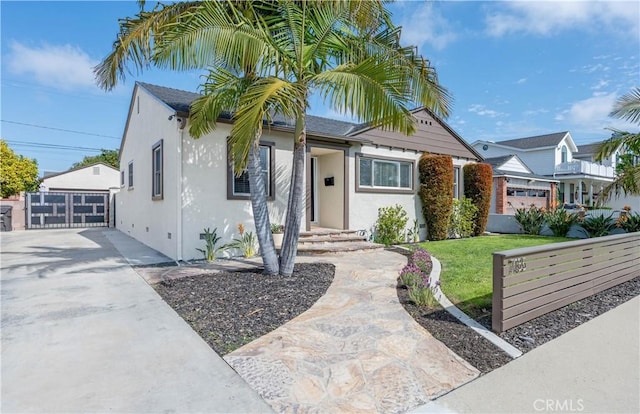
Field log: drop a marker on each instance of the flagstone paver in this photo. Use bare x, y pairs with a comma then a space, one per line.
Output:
355, 350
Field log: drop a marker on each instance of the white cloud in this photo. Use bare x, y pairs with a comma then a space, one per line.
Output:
426, 25
64, 67
592, 114
601, 84
521, 81
531, 112
549, 17
484, 111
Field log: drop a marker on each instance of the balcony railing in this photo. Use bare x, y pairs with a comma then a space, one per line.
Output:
584, 167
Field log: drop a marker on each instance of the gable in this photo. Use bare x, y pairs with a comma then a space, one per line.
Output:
96, 176
432, 135
514, 164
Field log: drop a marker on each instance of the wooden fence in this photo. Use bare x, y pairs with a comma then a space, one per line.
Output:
532, 281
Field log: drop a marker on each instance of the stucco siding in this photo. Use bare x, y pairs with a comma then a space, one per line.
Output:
98, 177
204, 189
330, 198
153, 222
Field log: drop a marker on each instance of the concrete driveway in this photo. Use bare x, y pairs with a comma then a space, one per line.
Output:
82, 332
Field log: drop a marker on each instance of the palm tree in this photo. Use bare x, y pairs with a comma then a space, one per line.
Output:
348, 51
627, 107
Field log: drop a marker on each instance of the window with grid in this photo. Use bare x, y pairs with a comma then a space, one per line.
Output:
157, 171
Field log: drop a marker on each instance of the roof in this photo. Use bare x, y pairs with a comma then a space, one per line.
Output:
496, 162
180, 101
588, 148
55, 174
538, 141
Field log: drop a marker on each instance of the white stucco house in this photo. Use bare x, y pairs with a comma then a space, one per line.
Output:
98, 177
173, 186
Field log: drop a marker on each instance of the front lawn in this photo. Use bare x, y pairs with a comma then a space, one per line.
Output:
467, 266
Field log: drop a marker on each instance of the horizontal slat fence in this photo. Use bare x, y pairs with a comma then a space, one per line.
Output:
532, 281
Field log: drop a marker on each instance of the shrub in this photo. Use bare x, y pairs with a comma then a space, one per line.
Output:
390, 225
530, 221
422, 259
413, 234
629, 222
560, 221
416, 276
211, 249
461, 223
410, 275
246, 243
277, 228
436, 193
477, 187
598, 226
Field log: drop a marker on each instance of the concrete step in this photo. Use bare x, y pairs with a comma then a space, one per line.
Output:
329, 247
342, 238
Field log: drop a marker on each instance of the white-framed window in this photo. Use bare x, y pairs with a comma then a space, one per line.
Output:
456, 181
563, 154
238, 186
157, 166
130, 174
122, 178
376, 173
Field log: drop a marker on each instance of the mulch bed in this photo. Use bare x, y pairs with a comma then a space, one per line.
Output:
230, 309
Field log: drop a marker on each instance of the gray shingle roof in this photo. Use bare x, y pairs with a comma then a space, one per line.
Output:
539, 141
181, 101
588, 148
497, 161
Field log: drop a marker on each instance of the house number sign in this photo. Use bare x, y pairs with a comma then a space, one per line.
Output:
517, 265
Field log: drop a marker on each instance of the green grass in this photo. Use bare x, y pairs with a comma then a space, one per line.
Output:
467, 266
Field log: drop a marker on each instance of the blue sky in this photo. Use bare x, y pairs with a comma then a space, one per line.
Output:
515, 69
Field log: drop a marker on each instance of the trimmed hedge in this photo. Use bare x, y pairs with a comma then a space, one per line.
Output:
436, 193
477, 187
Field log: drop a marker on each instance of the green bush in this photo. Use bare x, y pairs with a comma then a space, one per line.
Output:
461, 223
629, 222
560, 221
211, 249
598, 226
436, 193
389, 228
478, 184
531, 221
416, 277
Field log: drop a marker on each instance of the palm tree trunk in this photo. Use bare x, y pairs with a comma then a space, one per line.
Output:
261, 212
295, 205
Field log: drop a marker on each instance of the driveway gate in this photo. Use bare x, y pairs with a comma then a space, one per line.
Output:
62, 210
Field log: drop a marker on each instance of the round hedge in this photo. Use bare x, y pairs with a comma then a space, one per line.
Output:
436, 193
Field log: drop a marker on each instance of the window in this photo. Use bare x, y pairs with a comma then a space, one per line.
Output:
96, 170
238, 186
121, 178
563, 156
156, 171
456, 176
382, 174
561, 191
130, 174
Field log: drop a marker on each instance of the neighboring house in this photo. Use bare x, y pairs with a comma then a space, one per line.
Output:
173, 186
92, 178
557, 156
515, 186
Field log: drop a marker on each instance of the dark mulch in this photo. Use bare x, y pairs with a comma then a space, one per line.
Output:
230, 309
458, 337
485, 356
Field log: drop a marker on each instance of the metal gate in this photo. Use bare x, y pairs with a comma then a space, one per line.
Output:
62, 210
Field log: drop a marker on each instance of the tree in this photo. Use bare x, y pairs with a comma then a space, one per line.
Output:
266, 57
17, 173
106, 156
628, 174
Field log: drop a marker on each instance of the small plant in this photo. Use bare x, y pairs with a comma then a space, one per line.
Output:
390, 225
410, 275
530, 221
560, 221
416, 276
277, 228
413, 234
246, 243
629, 222
598, 226
461, 222
211, 249
422, 259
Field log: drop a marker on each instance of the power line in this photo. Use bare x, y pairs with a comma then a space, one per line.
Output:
58, 129
51, 146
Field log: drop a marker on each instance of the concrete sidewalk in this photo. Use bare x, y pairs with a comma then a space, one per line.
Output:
82, 332
594, 368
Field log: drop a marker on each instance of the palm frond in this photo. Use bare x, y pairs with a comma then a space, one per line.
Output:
628, 106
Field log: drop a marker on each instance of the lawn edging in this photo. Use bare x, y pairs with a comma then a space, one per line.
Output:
512, 351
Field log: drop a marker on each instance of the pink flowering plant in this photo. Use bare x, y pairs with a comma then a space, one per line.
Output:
416, 277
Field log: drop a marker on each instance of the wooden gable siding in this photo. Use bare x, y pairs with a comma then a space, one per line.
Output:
430, 136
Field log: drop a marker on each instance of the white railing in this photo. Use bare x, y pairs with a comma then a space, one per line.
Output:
584, 167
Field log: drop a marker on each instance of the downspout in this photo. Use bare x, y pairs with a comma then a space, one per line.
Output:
181, 126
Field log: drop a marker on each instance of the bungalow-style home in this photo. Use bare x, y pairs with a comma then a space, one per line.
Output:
173, 186
515, 185
94, 178
557, 156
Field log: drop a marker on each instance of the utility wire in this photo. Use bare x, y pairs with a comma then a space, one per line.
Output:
58, 129
51, 146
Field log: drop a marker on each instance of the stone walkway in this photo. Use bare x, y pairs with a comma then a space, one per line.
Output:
355, 350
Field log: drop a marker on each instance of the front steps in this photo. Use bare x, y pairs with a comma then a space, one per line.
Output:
320, 241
